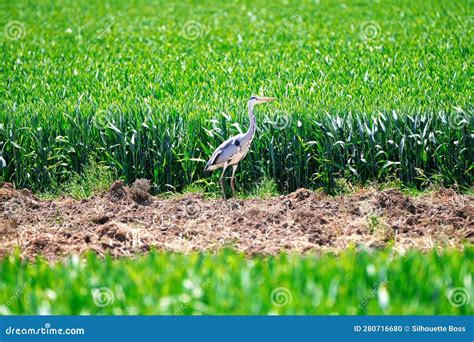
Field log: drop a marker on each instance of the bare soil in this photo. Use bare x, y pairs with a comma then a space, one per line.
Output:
126, 221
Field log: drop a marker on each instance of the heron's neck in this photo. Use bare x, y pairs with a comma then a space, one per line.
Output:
253, 122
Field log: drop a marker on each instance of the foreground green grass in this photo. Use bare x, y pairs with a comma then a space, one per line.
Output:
368, 90
229, 283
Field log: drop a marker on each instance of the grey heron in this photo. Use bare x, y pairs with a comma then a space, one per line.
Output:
234, 149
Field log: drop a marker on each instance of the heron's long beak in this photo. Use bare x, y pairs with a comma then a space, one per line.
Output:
267, 99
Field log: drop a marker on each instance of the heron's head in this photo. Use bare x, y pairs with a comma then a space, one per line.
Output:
258, 99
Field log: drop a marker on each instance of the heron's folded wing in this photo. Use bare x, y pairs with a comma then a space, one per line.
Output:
225, 151
226, 154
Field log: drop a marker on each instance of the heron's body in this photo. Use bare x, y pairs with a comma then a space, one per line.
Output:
230, 151
234, 149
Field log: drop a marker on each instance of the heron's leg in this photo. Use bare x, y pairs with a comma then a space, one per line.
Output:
221, 180
234, 167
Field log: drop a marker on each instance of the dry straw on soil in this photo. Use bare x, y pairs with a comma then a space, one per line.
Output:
126, 221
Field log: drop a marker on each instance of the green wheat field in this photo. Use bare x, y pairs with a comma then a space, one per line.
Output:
352, 283
151, 88
370, 92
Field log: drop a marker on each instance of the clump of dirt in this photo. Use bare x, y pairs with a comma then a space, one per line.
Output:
395, 199
139, 191
467, 212
128, 220
114, 231
7, 185
101, 219
117, 191
301, 194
